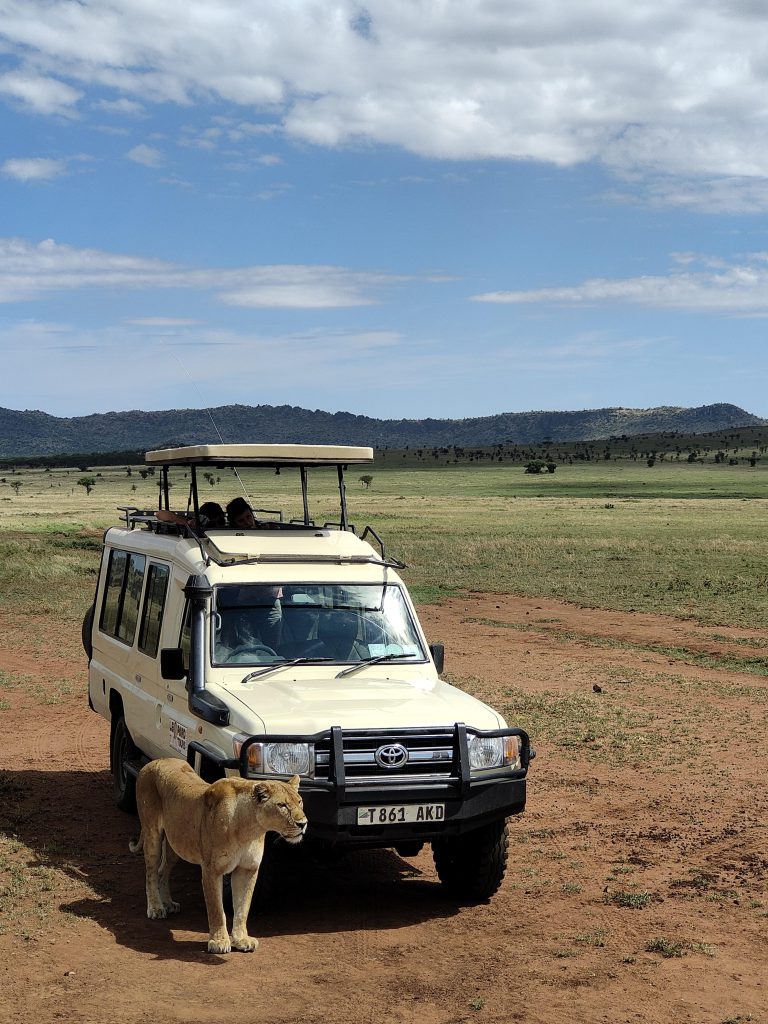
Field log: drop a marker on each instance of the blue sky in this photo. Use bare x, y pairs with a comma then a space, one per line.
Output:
406, 208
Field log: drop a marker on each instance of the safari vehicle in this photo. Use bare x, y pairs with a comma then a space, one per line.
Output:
294, 648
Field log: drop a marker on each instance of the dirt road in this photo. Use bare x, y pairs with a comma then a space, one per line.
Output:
637, 883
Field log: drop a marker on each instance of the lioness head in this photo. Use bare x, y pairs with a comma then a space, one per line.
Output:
282, 809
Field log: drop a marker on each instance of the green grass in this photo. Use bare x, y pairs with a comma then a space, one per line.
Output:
669, 948
631, 899
679, 539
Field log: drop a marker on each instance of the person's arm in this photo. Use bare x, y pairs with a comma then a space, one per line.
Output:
172, 517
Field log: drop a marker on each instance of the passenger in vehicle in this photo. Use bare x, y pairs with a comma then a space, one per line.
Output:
240, 514
300, 615
337, 630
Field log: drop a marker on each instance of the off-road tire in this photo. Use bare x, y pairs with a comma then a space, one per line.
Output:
472, 866
123, 749
87, 631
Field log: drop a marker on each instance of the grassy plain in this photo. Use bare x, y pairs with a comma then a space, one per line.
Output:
683, 539
639, 867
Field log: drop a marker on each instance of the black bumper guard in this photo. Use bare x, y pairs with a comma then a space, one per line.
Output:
460, 785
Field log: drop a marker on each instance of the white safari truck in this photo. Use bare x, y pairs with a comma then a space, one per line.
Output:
294, 648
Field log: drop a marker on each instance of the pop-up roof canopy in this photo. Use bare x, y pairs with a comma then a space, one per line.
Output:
261, 455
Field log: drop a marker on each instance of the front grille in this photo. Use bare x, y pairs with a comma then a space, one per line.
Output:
431, 757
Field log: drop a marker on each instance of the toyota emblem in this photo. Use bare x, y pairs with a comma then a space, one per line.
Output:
393, 755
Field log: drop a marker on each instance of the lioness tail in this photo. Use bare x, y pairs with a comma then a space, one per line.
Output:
135, 847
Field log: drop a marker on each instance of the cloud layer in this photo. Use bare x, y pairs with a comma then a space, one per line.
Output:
29, 270
718, 287
667, 87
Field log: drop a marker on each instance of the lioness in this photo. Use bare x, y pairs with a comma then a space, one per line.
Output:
221, 827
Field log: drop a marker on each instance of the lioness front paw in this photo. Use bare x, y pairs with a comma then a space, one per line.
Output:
244, 943
219, 945
172, 907
156, 913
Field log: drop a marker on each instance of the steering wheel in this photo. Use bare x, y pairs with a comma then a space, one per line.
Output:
251, 649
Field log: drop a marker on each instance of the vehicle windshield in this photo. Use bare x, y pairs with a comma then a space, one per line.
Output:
264, 624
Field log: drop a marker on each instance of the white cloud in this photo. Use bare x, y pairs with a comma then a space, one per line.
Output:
162, 321
43, 94
28, 270
33, 169
122, 106
663, 86
735, 288
146, 155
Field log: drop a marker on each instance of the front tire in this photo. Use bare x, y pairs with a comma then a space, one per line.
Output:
123, 750
472, 866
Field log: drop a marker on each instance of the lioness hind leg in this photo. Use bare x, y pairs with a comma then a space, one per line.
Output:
243, 882
168, 861
153, 855
218, 936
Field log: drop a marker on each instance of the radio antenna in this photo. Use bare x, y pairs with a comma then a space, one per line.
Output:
207, 410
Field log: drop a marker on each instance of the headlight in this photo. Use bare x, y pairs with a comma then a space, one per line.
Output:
278, 758
287, 758
487, 752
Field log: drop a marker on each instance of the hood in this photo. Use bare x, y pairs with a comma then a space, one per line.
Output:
288, 702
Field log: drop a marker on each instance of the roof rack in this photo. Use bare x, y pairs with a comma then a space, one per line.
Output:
211, 552
275, 456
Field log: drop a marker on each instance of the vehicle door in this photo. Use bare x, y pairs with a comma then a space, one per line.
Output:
177, 725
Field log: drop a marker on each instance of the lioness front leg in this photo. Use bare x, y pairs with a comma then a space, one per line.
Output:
243, 882
218, 936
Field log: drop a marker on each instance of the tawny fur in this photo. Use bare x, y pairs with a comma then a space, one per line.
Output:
221, 827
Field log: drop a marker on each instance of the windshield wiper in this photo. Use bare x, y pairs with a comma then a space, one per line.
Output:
281, 664
371, 661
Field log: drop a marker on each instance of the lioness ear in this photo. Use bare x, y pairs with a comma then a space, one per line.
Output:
261, 792
294, 782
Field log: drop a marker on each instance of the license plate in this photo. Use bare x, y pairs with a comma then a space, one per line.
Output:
400, 814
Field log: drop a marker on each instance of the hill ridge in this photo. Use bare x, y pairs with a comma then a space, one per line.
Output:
36, 433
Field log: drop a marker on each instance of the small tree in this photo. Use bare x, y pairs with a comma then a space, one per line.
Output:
88, 482
367, 480
534, 467
16, 484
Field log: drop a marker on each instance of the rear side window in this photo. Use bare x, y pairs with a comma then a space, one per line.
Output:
110, 609
120, 608
152, 615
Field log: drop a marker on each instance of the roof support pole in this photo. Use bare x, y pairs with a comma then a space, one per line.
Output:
304, 493
342, 497
193, 487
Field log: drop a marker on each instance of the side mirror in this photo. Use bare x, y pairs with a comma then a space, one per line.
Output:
438, 656
172, 663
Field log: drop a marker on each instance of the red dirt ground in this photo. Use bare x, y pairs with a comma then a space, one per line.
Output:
678, 820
